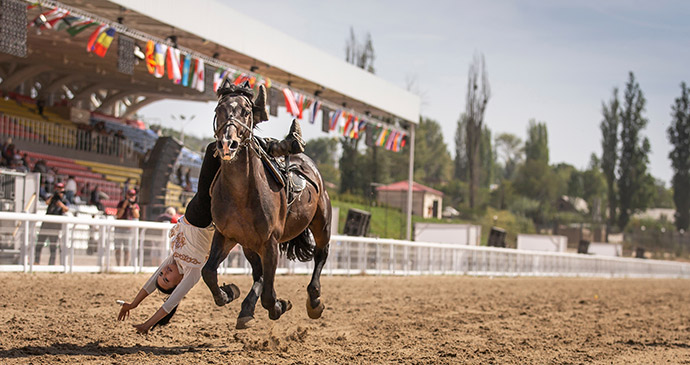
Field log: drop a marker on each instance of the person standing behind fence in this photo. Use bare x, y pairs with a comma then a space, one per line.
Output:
70, 189
57, 205
127, 209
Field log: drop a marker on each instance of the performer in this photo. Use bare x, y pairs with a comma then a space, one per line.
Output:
191, 238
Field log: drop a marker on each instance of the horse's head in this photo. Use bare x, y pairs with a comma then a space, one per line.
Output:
236, 116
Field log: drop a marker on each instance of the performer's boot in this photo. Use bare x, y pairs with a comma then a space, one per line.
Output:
292, 144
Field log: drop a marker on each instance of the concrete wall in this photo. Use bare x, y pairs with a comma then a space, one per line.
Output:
535, 242
459, 234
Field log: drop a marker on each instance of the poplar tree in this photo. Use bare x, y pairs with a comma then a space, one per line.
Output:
635, 185
609, 157
679, 136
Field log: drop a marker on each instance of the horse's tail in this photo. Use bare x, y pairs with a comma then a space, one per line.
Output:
300, 247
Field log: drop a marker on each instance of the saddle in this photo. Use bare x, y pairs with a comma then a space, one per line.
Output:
288, 175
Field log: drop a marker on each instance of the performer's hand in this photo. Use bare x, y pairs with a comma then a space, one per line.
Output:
141, 328
124, 311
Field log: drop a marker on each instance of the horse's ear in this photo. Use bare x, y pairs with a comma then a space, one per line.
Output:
260, 111
225, 84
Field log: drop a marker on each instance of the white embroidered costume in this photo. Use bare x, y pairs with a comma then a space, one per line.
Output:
190, 247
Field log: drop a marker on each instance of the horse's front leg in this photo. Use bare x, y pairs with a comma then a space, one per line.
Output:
276, 307
220, 247
246, 316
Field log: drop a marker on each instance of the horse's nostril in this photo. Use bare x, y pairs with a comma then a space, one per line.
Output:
234, 144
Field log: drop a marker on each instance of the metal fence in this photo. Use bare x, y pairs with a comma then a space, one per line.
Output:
104, 245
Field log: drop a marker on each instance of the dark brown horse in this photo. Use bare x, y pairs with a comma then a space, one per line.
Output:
251, 208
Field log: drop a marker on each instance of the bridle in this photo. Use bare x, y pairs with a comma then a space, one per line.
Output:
220, 131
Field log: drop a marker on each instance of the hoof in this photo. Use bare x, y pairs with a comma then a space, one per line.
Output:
232, 291
315, 313
287, 305
244, 322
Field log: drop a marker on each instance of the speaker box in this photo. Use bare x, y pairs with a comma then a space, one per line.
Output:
156, 174
497, 237
639, 253
583, 246
357, 223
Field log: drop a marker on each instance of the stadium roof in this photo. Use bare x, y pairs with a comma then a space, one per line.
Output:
208, 28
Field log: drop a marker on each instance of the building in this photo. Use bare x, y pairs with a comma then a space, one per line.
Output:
426, 202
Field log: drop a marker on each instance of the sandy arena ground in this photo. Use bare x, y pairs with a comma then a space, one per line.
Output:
71, 318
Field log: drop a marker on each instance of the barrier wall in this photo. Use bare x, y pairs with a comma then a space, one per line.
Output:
89, 245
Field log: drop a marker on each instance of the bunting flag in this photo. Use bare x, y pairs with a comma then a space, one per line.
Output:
290, 103
159, 58
185, 70
48, 19
348, 124
315, 107
382, 137
267, 83
402, 142
150, 60
358, 128
299, 100
94, 37
218, 76
79, 27
389, 141
198, 78
335, 119
66, 22
173, 61
103, 42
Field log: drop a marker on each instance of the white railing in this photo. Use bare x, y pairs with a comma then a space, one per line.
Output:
89, 245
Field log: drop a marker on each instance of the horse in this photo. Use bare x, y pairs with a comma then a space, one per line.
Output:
250, 207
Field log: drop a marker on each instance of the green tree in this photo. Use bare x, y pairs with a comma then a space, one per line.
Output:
679, 136
535, 180
460, 162
609, 157
510, 150
635, 186
487, 158
478, 94
433, 163
324, 153
594, 189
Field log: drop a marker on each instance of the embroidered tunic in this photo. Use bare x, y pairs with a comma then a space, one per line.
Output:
190, 246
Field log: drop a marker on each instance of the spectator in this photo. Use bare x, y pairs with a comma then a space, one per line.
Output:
170, 215
49, 233
26, 161
178, 174
188, 180
95, 199
127, 209
70, 189
128, 185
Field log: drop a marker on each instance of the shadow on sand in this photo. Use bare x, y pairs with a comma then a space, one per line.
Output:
93, 349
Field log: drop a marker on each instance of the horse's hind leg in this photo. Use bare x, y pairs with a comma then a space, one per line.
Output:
321, 230
269, 259
220, 247
246, 317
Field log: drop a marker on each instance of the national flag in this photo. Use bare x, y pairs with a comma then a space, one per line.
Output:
348, 124
335, 119
159, 56
79, 27
49, 18
103, 42
290, 103
391, 139
382, 137
173, 62
150, 59
217, 78
316, 106
299, 100
402, 142
198, 78
94, 37
66, 22
185, 70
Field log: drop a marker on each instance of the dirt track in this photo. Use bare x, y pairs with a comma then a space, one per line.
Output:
71, 318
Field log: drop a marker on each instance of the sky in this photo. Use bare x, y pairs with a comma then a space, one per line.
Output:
552, 61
